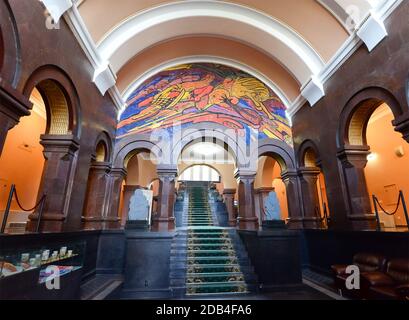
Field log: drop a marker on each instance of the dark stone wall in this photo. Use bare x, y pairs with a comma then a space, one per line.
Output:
147, 265
386, 67
323, 248
29, 46
276, 257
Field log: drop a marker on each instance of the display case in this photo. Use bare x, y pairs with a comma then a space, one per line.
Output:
46, 272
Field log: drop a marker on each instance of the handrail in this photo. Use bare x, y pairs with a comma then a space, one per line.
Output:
40, 205
376, 203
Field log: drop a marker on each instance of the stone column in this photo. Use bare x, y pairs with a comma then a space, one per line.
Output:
228, 197
291, 182
165, 219
260, 196
247, 219
13, 106
353, 161
310, 197
116, 179
60, 152
96, 203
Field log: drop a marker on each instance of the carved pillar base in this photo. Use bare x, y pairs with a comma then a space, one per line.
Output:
353, 160
49, 222
165, 219
228, 196
247, 219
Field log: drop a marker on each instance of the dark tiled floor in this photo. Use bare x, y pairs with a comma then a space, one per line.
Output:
300, 293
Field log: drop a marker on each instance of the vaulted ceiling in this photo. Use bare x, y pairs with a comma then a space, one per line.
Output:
293, 45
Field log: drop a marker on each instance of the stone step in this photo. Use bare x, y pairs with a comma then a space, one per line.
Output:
182, 270
214, 277
214, 288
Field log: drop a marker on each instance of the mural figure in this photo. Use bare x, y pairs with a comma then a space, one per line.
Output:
197, 93
272, 207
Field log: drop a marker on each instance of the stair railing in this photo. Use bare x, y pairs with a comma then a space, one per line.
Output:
401, 200
39, 205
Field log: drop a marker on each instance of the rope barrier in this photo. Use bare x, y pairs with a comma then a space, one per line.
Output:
401, 200
13, 192
27, 210
386, 212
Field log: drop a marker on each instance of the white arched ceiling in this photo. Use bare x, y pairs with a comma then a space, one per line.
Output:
209, 17
207, 46
350, 13
285, 35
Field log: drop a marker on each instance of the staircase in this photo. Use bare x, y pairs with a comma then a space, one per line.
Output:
207, 259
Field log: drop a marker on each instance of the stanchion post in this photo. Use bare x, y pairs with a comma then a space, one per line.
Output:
40, 214
405, 209
378, 222
7, 211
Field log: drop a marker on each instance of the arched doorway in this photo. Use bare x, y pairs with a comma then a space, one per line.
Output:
96, 214
313, 188
370, 115
211, 160
58, 142
200, 173
141, 174
22, 163
387, 170
268, 179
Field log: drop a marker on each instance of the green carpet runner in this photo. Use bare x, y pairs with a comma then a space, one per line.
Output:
212, 263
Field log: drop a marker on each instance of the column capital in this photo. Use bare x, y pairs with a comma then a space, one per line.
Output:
289, 173
55, 143
101, 166
119, 172
229, 191
244, 174
309, 171
354, 156
13, 103
264, 190
401, 124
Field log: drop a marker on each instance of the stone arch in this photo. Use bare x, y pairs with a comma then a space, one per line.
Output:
357, 112
353, 149
201, 164
1, 50
308, 155
210, 131
125, 150
60, 98
9, 46
280, 151
407, 90
103, 148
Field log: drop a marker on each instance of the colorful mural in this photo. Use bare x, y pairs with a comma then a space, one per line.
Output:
198, 93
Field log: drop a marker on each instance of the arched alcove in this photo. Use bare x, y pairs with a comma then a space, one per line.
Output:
371, 108
49, 129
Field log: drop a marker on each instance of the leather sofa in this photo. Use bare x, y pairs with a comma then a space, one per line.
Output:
366, 262
391, 284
